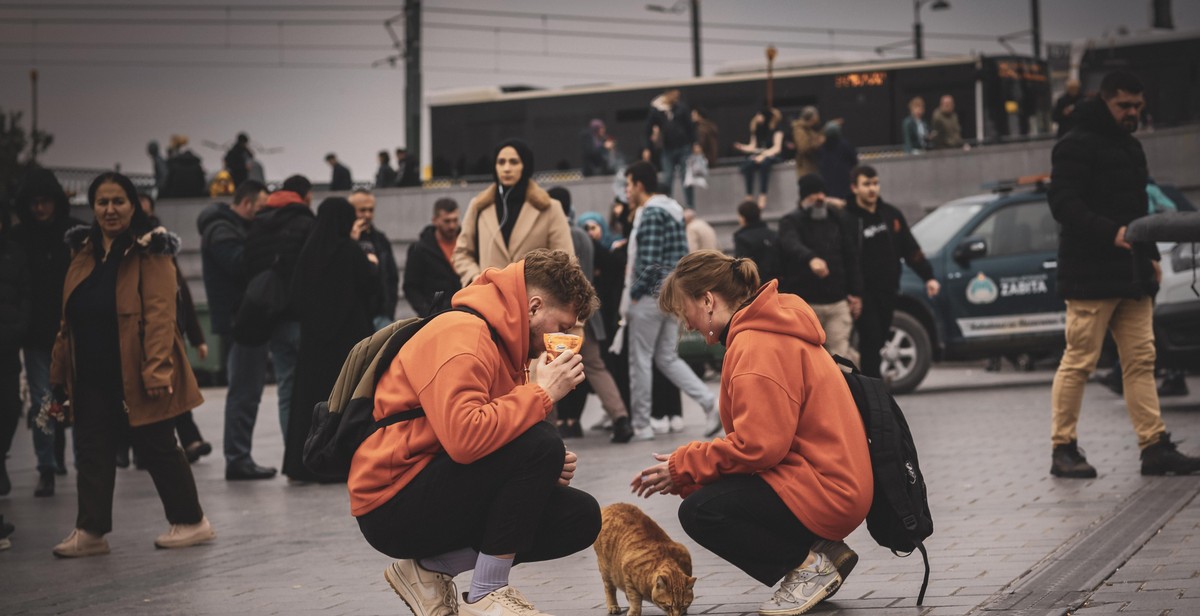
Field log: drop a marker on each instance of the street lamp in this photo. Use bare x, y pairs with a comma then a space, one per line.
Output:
677, 8
918, 42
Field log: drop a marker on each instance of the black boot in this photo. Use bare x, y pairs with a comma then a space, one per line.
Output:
1173, 384
622, 430
1068, 461
1162, 458
45, 484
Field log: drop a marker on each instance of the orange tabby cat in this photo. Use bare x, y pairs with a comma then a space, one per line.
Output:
637, 556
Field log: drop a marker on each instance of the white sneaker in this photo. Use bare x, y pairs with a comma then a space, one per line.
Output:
186, 535
426, 593
643, 434
661, 425
504, 601
712, 423
81, 543
802, 588
676, 422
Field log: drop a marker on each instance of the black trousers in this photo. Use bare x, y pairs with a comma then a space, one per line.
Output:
742, 520
873, 326
101, 425
10, 397
187, 429
506, 503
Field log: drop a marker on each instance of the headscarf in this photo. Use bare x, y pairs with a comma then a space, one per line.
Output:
323, 285
509, 201
606, 236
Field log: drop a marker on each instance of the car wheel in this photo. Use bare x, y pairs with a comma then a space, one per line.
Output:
906, 355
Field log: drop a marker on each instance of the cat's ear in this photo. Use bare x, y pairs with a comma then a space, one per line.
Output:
691, 582
661, 582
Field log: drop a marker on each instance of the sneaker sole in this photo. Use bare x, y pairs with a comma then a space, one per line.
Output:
816, 599
400, 587
102, 552
1082, 475
207, 539
845, 562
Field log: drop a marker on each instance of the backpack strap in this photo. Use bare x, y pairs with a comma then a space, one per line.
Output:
925, 582
391, 350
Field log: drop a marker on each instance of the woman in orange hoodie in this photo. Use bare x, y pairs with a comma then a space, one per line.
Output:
792, 475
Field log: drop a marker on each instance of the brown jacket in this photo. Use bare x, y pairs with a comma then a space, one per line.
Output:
807, 139
152, 351
542, 224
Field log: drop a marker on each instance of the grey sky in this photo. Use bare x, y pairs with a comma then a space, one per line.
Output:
114, 75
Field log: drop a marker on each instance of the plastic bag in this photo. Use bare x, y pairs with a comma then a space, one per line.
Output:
696, 174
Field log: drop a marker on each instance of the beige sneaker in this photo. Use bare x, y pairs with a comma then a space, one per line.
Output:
426, 593
843, 558
81, 543
505, 601
186, 535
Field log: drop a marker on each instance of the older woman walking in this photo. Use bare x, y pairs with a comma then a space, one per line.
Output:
119, 302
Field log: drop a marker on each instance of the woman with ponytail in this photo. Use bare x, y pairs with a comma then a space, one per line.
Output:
792, 476
510, 217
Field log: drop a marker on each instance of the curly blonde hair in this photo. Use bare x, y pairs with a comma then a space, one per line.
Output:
558, 274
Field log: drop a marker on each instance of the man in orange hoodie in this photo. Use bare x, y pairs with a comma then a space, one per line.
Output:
481, 480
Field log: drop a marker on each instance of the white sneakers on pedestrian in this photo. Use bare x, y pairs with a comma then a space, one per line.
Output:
81, 543
427, 593
660, 425
712, 422
676, 422
504, 601
643, 434
802, 588
186, 535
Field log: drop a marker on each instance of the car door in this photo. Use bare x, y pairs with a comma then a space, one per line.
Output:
1005, 280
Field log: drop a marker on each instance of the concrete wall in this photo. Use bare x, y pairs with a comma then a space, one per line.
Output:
913, 183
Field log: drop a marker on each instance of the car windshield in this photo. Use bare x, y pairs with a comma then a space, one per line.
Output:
933, 231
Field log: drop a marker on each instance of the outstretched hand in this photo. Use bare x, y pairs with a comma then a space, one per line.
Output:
655, 480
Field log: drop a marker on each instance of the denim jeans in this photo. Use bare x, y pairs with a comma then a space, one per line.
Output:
749, 168
653, 338
672, 160
247, 373
37, 373
285, 348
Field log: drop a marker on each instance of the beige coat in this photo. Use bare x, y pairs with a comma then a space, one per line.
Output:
541, 224
152, 351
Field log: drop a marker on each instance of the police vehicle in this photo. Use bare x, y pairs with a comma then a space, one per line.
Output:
996, 255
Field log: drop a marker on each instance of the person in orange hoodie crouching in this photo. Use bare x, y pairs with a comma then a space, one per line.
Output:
481, 480
792, 476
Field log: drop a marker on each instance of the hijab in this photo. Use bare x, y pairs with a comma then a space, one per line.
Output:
606, 236
509, 201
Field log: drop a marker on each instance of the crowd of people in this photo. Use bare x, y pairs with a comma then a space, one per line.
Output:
784, 474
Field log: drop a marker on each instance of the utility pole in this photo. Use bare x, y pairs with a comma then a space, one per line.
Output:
696, 38
771, 53
33, 131
412, 80
1036, 28
918, 42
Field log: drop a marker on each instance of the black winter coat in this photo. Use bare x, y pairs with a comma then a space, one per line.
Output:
759, 243
276, 237
46, 252
377, 243
427, 272
801, 238
14, 294
1098, 185
222, 248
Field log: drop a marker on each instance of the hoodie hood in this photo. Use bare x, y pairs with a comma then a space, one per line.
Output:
215, 212
778, 313
37, 183
499, 295
281, 198
664, 202
1093, 115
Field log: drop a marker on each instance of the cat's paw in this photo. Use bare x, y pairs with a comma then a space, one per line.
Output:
616, 609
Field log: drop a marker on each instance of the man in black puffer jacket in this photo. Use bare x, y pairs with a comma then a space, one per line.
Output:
1098, 187
820, 261
276, 236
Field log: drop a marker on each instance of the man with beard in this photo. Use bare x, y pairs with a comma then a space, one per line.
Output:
1098, 186
478, 479
44, 212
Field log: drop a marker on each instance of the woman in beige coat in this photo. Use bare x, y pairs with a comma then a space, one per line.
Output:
510, 218
119, 302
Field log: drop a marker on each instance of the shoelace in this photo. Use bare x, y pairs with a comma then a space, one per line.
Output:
513, 599
793, 580
449, 595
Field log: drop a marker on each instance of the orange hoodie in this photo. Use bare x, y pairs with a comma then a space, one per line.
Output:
474, 392
788, 416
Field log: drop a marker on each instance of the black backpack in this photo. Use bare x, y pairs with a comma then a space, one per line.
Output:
899, 518
343, 422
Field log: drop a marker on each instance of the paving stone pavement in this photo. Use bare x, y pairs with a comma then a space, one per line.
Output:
281, 549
